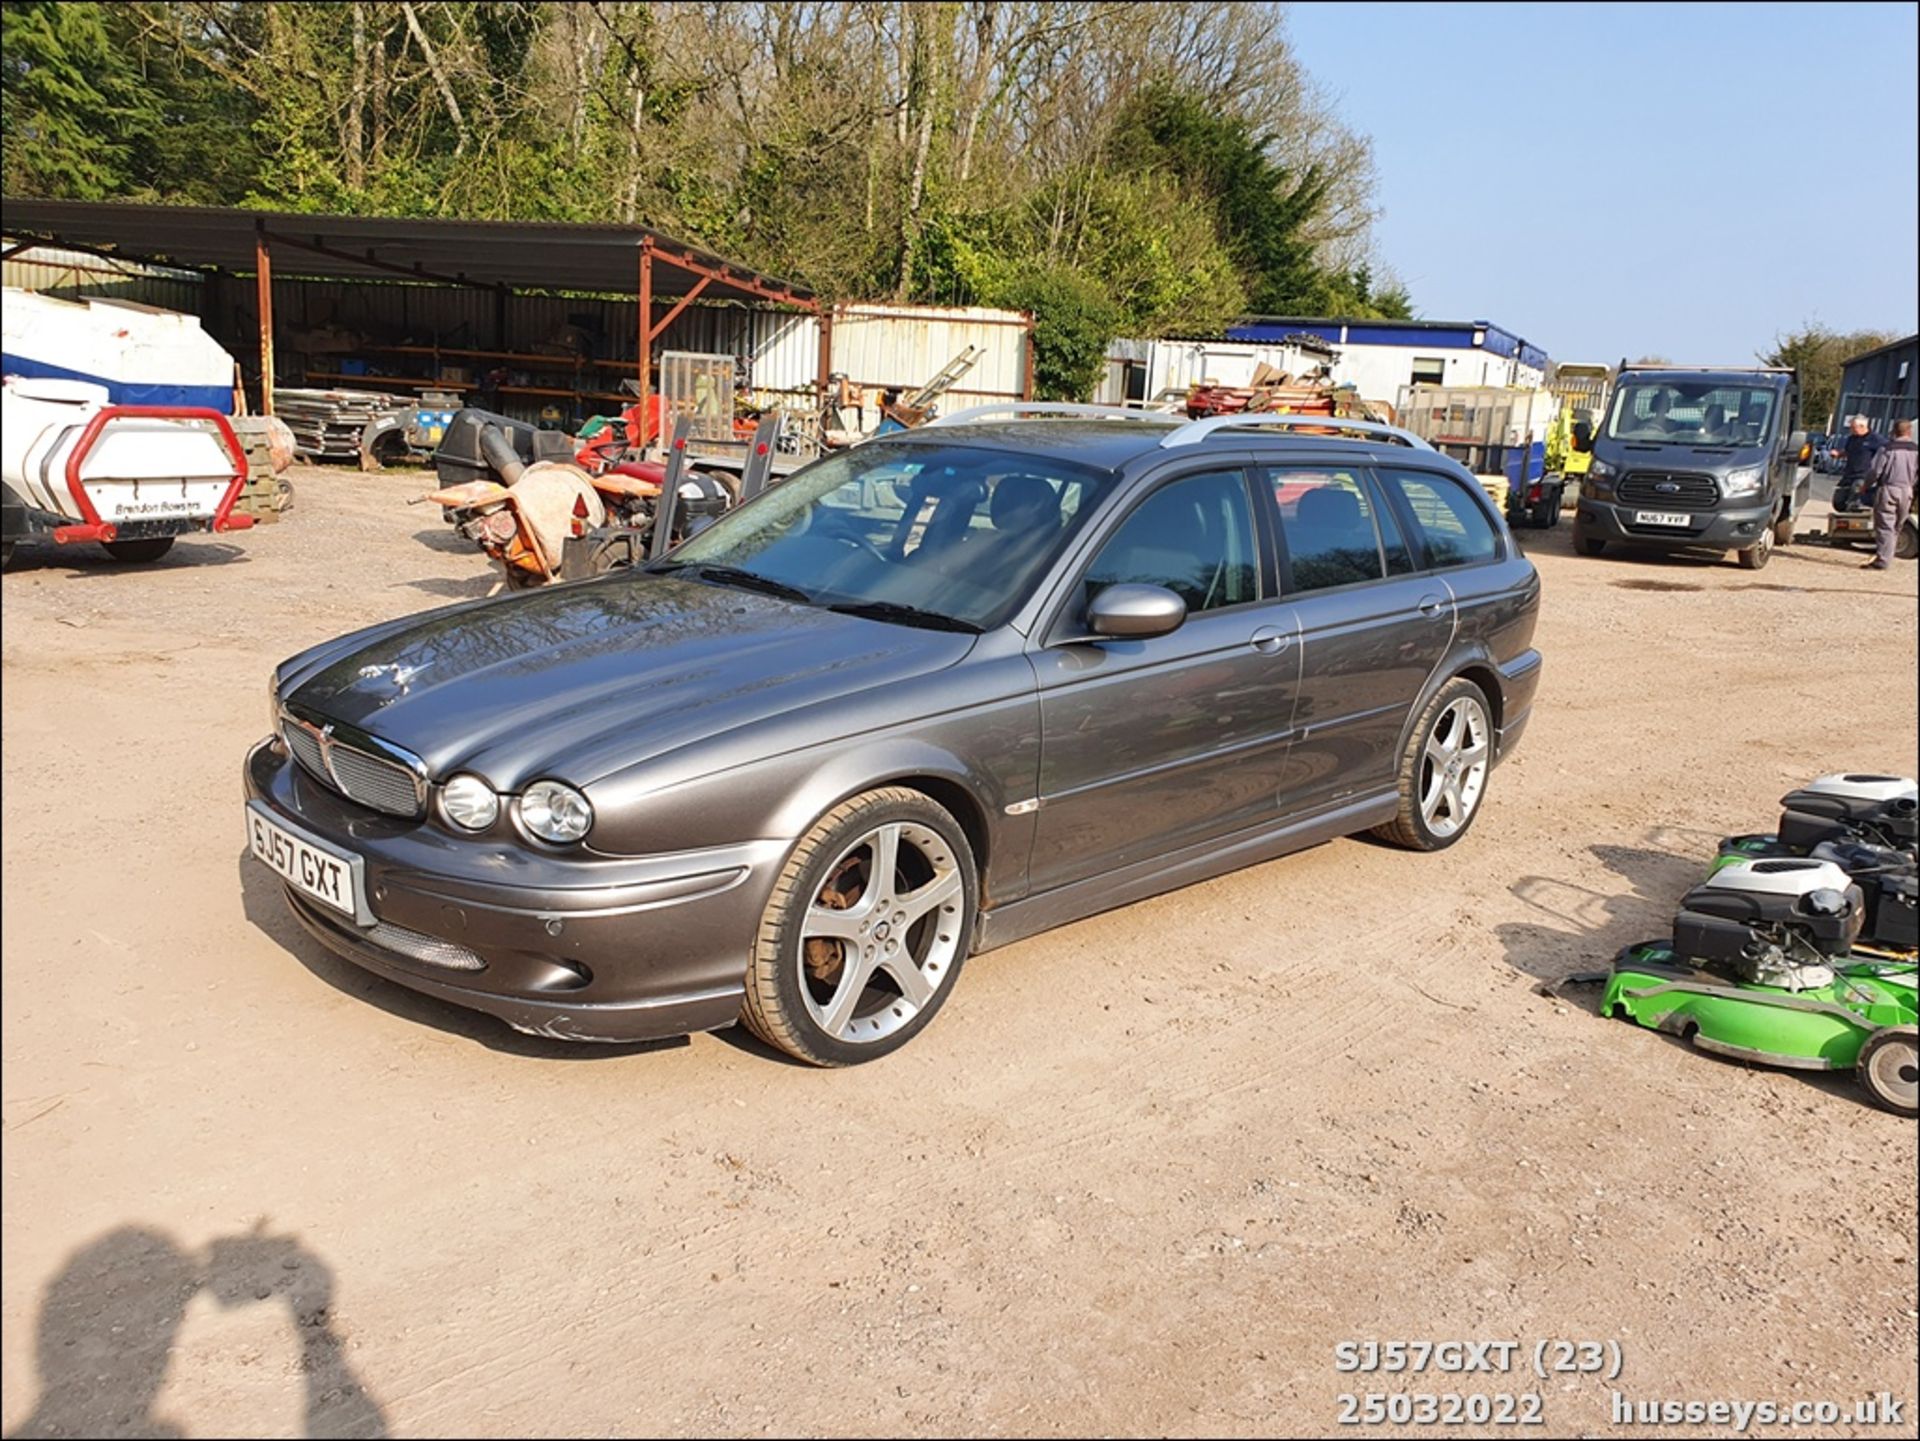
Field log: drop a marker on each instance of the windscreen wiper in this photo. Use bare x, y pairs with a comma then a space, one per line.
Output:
734, 576
890, 610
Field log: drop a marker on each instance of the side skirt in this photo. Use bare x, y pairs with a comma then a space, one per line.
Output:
1020, 919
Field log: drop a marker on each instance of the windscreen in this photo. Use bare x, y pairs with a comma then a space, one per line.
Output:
1691, 412
904, 531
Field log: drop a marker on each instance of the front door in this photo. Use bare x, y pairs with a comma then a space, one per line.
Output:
1148, 746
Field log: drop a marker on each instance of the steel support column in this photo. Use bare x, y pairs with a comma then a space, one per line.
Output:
644, 354
263, 280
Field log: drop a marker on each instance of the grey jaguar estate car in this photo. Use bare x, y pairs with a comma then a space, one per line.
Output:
929, 695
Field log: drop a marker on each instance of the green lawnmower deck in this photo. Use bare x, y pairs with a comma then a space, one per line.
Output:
1822, 1029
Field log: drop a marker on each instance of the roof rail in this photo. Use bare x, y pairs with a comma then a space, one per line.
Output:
1048, 407
1195, 431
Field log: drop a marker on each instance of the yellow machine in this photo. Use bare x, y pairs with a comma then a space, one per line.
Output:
1582, 393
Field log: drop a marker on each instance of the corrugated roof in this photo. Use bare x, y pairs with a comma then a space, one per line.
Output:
1880, 350
520, 254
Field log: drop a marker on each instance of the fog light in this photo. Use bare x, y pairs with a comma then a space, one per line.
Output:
470, 803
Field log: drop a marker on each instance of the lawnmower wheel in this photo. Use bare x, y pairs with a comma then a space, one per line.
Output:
1890, 1069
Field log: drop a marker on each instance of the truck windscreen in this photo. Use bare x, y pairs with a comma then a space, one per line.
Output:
1691, 412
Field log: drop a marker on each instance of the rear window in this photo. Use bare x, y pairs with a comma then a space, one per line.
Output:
1451, 523
1327, 522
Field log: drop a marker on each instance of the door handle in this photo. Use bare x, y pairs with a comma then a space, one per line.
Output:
1432, 604
1270, 641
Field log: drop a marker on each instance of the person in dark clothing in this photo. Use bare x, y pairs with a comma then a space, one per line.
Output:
1862, 446
1892, 479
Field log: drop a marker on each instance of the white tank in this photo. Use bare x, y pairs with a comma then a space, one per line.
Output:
137, 469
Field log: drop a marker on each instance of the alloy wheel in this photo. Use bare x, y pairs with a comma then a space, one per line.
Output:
883, 932
1453, 770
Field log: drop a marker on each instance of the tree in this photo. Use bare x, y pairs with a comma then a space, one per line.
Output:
1819, 355
1073, 321
68, 97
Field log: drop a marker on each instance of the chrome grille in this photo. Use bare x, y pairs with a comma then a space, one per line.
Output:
1680, 492
358, 774
305, 746
374, 782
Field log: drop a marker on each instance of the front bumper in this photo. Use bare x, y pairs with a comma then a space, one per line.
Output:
1722, 529
562, 945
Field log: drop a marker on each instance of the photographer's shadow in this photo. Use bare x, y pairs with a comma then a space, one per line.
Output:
110, 1318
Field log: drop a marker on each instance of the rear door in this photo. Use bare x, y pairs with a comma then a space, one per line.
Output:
1148, 746
1372, 629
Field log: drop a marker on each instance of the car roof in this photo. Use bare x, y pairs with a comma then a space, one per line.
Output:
1113, 444
1717, 376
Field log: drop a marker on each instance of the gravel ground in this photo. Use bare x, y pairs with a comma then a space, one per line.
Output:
1140, 1177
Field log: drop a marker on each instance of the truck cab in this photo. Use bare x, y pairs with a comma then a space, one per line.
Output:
1696, 459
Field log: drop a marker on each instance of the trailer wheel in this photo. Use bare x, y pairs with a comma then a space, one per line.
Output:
138, 552
1890, 1069
1906, 545
1783, 530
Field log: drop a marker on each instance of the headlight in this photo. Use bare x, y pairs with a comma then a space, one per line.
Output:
555, 812
470, 802
1600, 470
1745, 481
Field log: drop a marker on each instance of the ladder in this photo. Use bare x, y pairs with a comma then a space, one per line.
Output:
944, 381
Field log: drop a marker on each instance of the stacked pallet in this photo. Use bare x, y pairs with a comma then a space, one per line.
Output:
328, 424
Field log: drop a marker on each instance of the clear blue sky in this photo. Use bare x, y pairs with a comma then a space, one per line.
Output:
1680, 180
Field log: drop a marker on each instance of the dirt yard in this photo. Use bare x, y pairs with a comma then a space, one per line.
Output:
1141, 1176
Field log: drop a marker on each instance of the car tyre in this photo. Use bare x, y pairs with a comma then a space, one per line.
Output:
908, 939
1586, 544
138, 552
1444, 769
1906, 545
1783, 530
1756, 556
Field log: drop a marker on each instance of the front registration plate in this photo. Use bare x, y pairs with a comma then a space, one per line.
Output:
1661, 517
326, 875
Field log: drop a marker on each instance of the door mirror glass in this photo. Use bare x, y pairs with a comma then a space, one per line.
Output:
1797, 444
1135, 612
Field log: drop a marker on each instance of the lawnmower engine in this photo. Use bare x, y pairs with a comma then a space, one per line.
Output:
1880, 810
1772, 922
1864, 824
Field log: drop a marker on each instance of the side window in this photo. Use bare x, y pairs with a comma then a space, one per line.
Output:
1455, 529
1327, 521
1193, 536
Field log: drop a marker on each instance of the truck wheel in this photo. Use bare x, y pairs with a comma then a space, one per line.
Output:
1586, 544
1783, 530
1756, 556
1890, 1069
138, 552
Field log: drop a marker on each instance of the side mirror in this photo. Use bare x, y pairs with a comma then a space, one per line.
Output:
1135, 612
1797, 444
